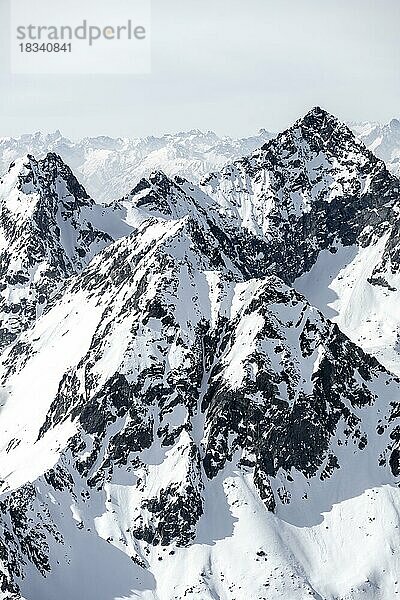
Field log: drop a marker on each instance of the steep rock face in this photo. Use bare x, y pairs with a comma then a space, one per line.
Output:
49, 230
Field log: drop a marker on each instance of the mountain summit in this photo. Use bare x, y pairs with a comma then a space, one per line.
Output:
50, 229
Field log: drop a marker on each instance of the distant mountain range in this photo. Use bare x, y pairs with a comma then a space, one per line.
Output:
383, 140
109, 167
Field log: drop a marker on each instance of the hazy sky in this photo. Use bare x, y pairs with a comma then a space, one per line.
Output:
227, 65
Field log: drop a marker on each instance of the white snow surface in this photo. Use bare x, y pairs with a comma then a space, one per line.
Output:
369, 314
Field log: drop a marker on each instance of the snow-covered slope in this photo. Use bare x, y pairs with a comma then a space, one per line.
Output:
108, 168
49, 230
179, 421
356, 288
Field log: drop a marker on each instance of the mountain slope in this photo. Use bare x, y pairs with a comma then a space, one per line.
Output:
49, 230
317, 194
196, 402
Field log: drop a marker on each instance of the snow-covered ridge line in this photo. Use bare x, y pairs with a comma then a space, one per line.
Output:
109, 167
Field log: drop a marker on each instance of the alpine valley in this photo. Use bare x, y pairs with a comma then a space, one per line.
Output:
199, 379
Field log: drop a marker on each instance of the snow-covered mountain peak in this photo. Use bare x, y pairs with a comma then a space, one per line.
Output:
307, 192
325, 133
45, 180
320, 132
319, 118
159, 178
315, 163
163, 197
49, 230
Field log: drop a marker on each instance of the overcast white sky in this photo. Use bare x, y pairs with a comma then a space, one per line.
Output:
227, 65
